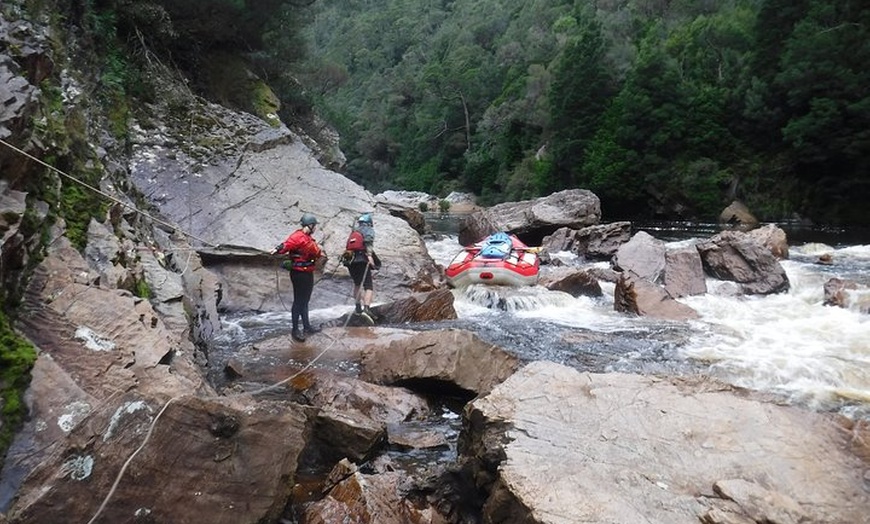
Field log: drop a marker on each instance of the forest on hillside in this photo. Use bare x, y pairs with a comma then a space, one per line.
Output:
664, 108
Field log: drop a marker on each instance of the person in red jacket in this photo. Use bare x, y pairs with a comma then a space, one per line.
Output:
303, 253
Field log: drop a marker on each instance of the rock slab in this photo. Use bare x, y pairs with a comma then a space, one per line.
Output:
558, 446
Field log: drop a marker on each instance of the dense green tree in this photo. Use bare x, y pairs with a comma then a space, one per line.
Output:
824, 76
669, 107
581, 88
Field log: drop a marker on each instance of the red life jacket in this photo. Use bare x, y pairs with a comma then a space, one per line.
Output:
302, 249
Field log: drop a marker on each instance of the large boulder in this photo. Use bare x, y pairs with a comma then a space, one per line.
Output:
257, 188
738, 257
532, 220
639, 296
643, 255
426, 307
773, 238
95, 342
458, 359
684, 272
553, 445
408, 199
191, 460
414, 217
738, 215
105, 338
598, 242
575, 282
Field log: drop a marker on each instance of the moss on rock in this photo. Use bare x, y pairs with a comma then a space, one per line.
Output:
16, 360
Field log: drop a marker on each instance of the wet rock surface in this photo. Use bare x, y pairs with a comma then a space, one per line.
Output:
598, 242
575, 282
454, 357
639, 296
740, 258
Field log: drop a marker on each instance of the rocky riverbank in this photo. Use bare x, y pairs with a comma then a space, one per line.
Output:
128, 421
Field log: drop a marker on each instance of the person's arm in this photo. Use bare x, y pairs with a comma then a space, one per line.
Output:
277, 250
368, 234
291, 243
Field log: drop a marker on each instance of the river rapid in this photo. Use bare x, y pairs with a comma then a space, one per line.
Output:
787, 345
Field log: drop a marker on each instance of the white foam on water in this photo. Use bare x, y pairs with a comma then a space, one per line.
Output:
788, 343
812, 249
539, 303
443, 250
585, 313
856, 252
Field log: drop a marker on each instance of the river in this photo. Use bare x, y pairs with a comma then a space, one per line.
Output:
789, 345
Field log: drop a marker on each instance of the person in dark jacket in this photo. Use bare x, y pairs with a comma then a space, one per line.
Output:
361, 266
303, 253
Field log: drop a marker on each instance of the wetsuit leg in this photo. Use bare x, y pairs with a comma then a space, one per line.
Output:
303, 284
361, 275
357, 271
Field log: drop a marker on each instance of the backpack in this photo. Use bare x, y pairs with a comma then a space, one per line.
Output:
355, 241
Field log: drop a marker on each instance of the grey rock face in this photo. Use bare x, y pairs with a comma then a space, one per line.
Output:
738, 257
250, 191
684, 273
572, 208
643, 255
554, 445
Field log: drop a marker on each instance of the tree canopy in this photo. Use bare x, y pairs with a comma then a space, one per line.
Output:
664, 108
667, 109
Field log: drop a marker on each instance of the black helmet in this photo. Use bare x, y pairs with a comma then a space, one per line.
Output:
308, 219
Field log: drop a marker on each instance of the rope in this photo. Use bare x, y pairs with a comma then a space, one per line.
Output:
107, 196
129, 460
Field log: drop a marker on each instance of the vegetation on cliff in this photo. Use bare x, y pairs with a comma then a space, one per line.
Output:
16, 359
665, 109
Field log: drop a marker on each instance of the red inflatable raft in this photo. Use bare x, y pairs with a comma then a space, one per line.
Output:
499, 259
